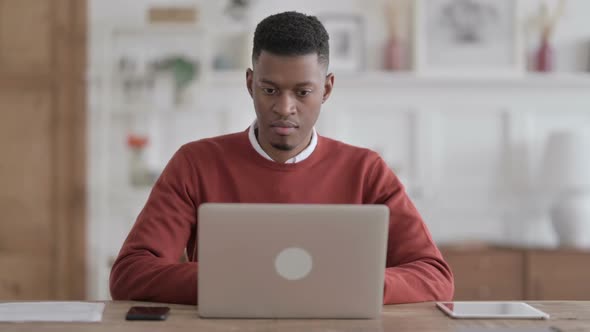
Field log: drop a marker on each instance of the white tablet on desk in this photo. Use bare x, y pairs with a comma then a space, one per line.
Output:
505, 310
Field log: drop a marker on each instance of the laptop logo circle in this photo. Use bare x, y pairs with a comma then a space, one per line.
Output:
293, 263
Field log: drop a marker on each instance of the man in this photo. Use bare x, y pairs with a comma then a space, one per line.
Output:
279, 159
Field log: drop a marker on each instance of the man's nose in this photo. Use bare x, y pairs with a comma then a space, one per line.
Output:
285, 105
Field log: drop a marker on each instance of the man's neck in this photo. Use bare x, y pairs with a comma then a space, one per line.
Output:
281, 156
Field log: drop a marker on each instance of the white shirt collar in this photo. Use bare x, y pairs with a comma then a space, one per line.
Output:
300, 157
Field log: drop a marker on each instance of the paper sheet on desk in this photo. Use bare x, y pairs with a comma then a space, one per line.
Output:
51, 312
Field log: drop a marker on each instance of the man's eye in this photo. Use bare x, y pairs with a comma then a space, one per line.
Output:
269, 91
303, 93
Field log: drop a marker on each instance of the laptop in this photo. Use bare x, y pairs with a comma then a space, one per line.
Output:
291, 260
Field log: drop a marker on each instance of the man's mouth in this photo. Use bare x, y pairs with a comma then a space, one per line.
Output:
283, 128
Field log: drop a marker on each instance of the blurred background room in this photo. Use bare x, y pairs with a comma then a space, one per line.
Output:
481, 107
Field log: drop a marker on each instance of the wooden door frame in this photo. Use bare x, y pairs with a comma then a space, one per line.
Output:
66, 82
69, 125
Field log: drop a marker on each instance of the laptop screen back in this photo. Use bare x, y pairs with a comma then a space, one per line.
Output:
291, 261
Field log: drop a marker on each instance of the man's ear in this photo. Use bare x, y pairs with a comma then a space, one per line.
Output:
249, 79
328, 86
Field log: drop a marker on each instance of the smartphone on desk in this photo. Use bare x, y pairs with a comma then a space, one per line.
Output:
147, 313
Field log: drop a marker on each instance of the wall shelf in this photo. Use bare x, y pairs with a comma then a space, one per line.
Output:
412, 80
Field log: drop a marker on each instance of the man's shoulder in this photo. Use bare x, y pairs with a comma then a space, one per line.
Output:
216, 143
339, 148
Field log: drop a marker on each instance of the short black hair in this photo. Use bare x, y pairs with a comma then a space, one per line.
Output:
291, 33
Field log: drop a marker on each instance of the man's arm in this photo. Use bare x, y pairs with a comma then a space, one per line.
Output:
148, 268
416, 270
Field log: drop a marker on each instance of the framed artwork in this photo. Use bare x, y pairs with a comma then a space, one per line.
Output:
468, 38
347, 44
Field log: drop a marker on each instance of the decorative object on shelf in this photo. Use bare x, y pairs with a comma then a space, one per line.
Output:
222, 62
238, 9
134, 80
172, 14
347, 45
394, 51
546, 22
468, 38
154, 65
566, 172
233, 45
544, 56
183, 70
139, 172
234, 51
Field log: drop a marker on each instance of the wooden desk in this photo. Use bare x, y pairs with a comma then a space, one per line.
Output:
422, 317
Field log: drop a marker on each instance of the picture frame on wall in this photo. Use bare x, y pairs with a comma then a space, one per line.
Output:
468, 38
347, 41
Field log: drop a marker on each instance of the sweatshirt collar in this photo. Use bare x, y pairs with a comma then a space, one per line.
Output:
298, 158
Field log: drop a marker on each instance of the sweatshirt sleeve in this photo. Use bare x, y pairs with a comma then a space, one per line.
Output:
148, 267
415, 269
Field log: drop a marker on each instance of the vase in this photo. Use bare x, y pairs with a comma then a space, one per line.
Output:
571, 219
544, 56
393, 54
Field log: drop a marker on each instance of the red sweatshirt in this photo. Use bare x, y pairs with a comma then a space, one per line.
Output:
228, 169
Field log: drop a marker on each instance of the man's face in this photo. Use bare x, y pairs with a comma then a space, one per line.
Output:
288, 92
